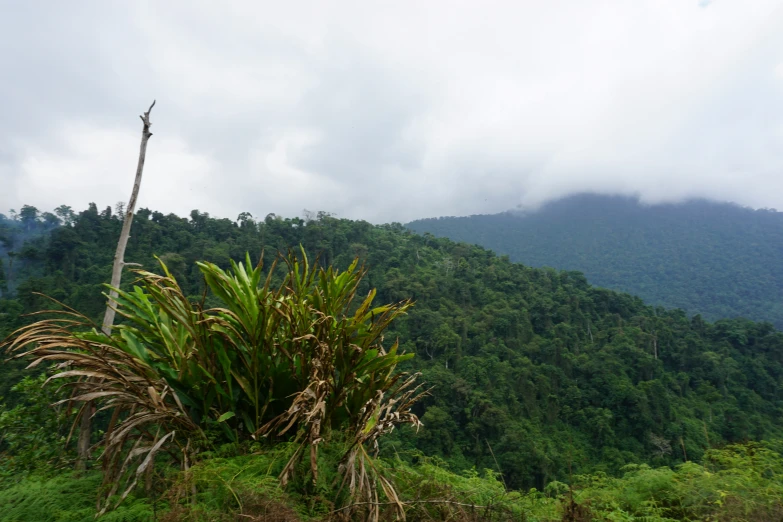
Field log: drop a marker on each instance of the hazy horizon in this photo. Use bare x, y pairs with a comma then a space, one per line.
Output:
391, 113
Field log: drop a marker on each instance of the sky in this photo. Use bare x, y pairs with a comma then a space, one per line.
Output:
390, 111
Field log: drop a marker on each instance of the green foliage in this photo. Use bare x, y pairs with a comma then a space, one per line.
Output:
64, 498
299, 361
32, 434
535, 372
738, 483
714, 259
21, 240
226, 486
3, 280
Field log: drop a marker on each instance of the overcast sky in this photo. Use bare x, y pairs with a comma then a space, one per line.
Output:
390, 111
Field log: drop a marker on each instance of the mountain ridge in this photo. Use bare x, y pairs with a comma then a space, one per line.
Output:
713, 259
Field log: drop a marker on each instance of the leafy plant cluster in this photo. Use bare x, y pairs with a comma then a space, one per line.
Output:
301, 362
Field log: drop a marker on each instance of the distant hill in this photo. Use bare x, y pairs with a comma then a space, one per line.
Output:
714, 259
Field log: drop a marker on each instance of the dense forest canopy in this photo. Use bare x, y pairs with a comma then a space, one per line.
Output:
16, 231
535, 371
715, 259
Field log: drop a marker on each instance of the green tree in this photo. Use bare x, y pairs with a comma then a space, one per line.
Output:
66, 214
29, 216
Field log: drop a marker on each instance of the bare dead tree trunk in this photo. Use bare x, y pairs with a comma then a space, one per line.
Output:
85, 429
119, 255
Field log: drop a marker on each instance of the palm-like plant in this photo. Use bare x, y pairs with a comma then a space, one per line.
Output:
300, 361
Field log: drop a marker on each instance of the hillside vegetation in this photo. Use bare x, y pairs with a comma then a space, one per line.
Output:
535, 375
714, 259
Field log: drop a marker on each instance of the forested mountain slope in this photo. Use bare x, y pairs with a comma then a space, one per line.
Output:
714, 259
535, 372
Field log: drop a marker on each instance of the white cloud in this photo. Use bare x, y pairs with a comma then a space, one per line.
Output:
392, 111
84, 161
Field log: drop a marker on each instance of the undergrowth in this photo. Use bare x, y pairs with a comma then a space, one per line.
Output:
65, 498
736, 483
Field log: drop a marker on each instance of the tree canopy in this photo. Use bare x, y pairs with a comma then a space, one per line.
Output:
534, 371
718, 260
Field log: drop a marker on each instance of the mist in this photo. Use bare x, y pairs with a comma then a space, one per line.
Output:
391, 112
